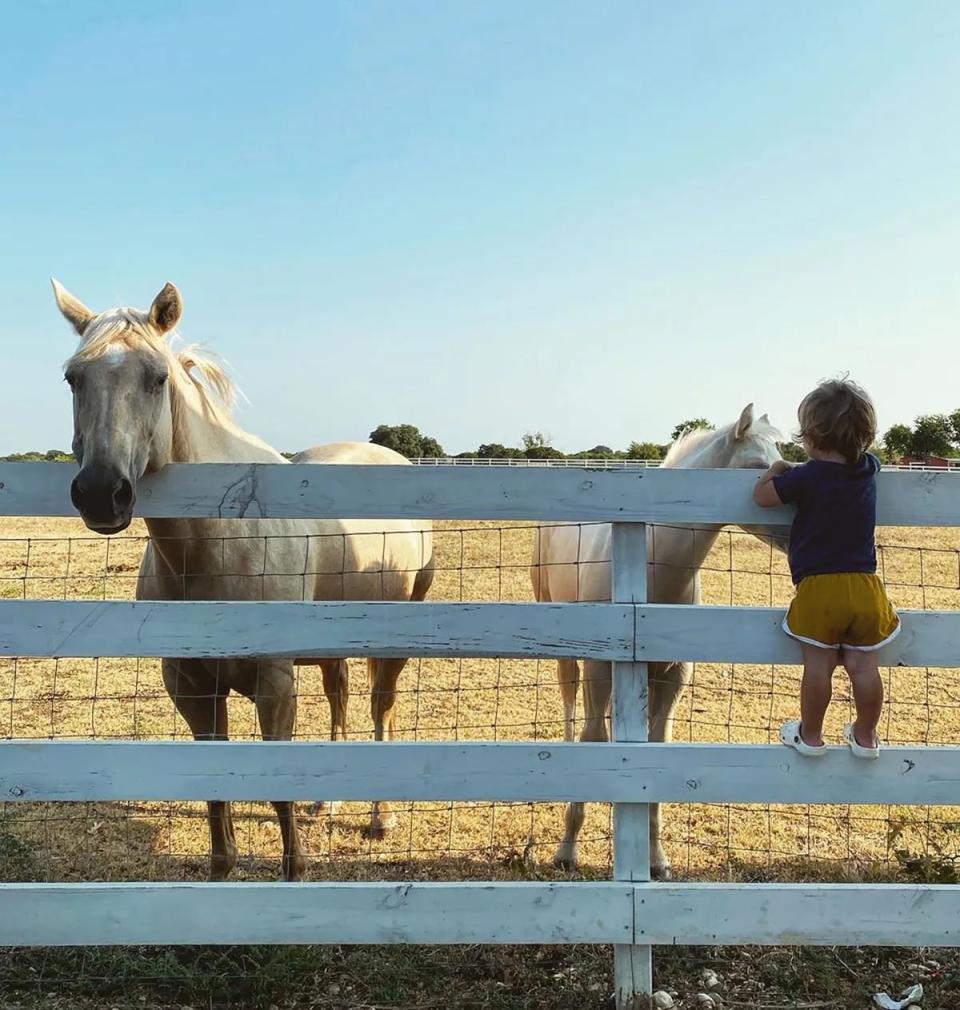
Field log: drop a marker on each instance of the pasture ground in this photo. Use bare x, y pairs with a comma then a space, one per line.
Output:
466, 978
464, 699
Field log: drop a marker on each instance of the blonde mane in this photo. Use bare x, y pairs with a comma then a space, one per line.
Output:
688, 442
191, 364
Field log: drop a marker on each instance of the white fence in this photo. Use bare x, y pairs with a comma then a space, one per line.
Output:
601, 462
629, 911
606, 463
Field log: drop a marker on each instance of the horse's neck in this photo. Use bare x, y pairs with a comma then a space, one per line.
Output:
200, 437
679, 552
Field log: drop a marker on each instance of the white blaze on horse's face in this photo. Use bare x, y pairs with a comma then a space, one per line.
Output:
122, 425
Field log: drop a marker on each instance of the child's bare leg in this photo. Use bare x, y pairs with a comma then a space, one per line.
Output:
816, 690
867, 684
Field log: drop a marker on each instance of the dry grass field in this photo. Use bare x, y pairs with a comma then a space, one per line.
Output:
461, 699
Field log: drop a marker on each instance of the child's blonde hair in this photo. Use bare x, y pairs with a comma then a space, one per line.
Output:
838, 416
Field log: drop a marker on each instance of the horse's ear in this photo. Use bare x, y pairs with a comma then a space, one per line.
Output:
745, 423
764, 419
167, 309
74, 311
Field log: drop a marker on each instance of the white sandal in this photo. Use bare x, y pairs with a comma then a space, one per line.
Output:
791, 736
867, 753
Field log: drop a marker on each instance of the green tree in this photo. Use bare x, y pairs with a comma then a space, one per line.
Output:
496, 450
955, 426
543, 452
536, 445
34, 456
898, 440
932, 436
792, 452
430, 448
406, 439
684, 426
535, 440
883, 454
644, 450
597, 452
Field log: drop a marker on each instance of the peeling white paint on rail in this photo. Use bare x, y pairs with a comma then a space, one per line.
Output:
91, 628
95, 770
240, 490
176, 913
79, 628
795, 914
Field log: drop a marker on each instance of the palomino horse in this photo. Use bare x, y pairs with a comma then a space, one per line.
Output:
139, 405
572, 563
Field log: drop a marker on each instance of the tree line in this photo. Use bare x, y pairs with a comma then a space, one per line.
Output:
408, 440
930, 435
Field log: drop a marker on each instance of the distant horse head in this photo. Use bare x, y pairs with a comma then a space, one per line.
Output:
748, 444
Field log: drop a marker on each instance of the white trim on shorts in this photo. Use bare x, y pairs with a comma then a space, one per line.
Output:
879, 645
806, 641
855, 648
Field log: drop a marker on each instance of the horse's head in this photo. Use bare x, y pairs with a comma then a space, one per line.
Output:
748, 444
754, 447
122, 419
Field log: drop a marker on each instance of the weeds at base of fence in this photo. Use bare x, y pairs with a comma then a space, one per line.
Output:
18, 859
471, 978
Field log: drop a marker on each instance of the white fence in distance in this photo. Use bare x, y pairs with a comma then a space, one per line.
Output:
629, 912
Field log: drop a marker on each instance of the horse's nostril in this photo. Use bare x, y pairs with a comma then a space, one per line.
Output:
76, 494
123, 495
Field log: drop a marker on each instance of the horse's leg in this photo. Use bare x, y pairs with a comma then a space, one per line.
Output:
203, 705
384, 674
666, 686
597, 685
336, 686
568, 676
276, 703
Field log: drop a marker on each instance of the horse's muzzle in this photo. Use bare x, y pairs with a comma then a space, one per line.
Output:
104, 498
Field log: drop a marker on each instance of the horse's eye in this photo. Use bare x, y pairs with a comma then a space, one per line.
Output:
160, 381
70, 380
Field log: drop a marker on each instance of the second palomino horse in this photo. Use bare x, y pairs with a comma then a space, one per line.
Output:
571, 563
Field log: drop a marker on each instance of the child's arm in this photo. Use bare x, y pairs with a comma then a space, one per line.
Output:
765, 492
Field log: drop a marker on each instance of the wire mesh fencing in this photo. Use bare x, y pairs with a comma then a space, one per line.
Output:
463, 699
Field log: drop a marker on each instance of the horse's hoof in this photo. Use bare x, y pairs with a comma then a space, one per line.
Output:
221, 867
662, 872
565, 858
294, 870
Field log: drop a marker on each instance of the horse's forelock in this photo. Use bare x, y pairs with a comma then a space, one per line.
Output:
190, 365
124, 325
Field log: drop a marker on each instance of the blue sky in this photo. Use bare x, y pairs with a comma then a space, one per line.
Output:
592, 219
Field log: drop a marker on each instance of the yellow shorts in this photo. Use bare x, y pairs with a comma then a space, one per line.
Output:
849, 610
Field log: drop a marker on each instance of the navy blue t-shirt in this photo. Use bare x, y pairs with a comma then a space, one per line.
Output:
833, 530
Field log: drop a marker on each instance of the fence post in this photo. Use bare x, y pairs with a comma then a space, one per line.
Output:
633, 965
